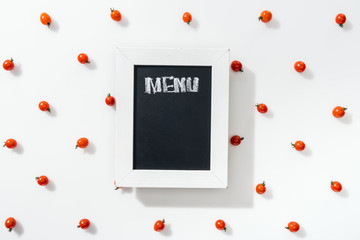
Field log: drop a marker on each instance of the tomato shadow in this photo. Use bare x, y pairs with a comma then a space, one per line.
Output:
347, 119
19, 149
343, 193
53, 112
268, 194
301, 233
17, 72
347, 26
239, 193
229, 230
92, 229
91, 65
126, 190
306, 152
124, 22
51, 186
274, 23
269, 114
307, 74
18, 229
167, 230
194, 24
90, 149
54, 25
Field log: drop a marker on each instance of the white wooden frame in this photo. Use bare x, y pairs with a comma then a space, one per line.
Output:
216, 177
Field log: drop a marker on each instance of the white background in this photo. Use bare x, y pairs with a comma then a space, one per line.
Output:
300, 107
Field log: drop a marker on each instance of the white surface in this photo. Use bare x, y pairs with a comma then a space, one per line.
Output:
300, 108
217, 176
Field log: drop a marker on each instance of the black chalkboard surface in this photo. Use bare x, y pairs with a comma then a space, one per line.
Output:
172, 117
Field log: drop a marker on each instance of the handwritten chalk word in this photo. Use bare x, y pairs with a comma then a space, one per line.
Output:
171, 85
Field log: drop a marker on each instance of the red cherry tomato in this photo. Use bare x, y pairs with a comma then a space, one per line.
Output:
45, 19
110, 100
42, 180
83, 58
300, 66
236, 66
299, 145
260, 188
82, 143
44, 106
293, 226
262, 108
115, 15
10, 223
220, 225
339, 112
159, 225
265, 16
10, 143
84, 224
8, 64
187, 17
336, 186
236, 140
340, 19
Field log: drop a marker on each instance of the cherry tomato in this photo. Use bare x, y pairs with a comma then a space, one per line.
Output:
260, 188
115, 14
265, 16
299, 145
8, 64
336, 186
262, 108
44, 106
293, 226
42, 180
236, 140
82, 143
236, 66
300, 66
10, 223
339, 112
110, 100
84, 224
159, 225
83, 58
45, 19
340, 19
10, 143
220, 225
187, 17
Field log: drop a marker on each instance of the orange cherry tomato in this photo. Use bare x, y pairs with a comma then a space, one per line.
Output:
236, 140
262, 108
83, 58
82, 143
265, 16
84, 224
293, 226
115, 14
42, 180
299, 145
8, 64
10, 143
339, 112
300, 66
10, 223
220, 225
236, 66
187, 17
260, 188
44, 106
336, 186
159, 225
110, 100
45, 19
340, 19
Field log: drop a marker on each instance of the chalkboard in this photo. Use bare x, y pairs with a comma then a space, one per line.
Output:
172, 117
